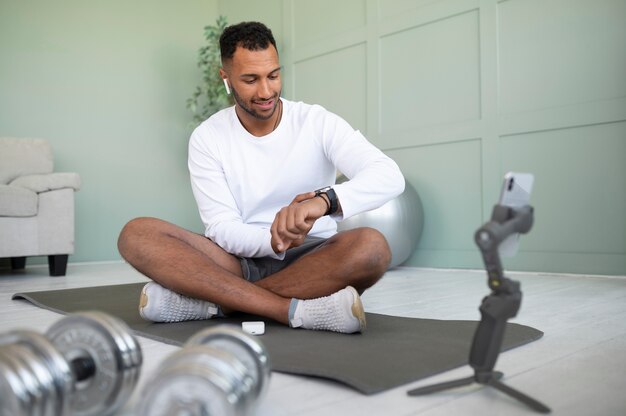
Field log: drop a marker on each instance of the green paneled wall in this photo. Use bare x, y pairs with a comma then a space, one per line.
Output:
106, 82
448, 179
458, 92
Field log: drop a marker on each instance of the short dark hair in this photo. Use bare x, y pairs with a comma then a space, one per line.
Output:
254, 36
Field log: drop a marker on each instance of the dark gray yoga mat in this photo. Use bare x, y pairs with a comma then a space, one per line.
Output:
391, 352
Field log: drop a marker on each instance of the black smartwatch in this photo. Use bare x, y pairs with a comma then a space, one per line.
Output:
332, 199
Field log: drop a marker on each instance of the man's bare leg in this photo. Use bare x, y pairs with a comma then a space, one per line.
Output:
192, 265
355, 258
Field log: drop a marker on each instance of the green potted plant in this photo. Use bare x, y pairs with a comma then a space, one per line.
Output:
210, 96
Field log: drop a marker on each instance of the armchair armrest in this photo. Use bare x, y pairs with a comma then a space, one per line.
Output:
48, 182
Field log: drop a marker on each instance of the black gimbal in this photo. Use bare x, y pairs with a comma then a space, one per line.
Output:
497, 308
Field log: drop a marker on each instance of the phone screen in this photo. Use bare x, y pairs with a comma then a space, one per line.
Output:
516, 189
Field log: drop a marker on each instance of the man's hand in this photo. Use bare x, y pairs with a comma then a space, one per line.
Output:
293, 222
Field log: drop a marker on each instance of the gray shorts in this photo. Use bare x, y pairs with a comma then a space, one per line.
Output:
260, 267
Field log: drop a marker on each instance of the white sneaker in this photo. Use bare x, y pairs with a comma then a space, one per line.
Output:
158, 304
340, 312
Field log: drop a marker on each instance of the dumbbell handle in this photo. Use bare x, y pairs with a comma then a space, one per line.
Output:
83, 368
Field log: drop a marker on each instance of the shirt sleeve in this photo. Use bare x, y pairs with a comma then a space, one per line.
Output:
218, 209
373, 177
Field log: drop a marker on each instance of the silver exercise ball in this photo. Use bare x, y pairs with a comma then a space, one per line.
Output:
399, 220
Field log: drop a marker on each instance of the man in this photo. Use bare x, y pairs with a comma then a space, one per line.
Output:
260, 173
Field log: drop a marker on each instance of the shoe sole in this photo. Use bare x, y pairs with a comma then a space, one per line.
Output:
357, 310
143, 301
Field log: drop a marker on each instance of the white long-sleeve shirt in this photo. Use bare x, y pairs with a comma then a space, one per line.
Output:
241, 181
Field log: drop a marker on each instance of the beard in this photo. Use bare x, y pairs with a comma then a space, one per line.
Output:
248, 109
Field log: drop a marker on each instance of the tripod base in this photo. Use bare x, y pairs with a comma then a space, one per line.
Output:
491, 379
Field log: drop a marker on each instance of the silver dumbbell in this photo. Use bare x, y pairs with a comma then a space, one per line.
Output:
87, 364
27, 386
220, 371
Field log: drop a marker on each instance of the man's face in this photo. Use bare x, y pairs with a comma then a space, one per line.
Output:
254, 78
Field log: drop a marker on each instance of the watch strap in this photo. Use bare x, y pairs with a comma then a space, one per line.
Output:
332, 199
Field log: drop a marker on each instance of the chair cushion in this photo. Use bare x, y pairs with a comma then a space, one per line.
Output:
23, 157
48, 182
16, 201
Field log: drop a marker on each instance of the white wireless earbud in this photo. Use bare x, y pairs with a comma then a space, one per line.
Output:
226, 85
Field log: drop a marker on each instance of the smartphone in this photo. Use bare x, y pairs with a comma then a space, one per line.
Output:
516, 189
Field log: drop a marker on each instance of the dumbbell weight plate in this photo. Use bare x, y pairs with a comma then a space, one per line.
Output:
19, 387
15, 395
26, 384
116, 357
198, 379
46, 353
250, 350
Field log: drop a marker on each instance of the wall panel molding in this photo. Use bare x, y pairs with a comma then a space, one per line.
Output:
434, 134
419, 16
328, 45
574, 115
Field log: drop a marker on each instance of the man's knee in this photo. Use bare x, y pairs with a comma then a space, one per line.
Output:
376, 249
371, 251
133, 231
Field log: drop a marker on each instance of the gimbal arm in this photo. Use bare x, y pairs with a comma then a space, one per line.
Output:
505, 221
506, 297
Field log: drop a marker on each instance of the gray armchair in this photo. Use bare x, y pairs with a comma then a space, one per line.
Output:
36, 205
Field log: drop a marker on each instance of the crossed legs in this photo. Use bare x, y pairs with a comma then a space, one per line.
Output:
192, 265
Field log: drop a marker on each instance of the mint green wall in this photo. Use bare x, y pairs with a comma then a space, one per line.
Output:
106, 82
460, 91
456, 91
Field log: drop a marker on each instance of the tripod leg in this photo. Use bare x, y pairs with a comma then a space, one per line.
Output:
441, 386
529, 401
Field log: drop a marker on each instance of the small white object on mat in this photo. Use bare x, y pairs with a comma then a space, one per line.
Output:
254, 327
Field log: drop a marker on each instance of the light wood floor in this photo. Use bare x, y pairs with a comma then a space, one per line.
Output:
577, 368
